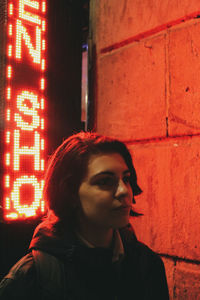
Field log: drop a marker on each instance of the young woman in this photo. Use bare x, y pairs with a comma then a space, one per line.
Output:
86, 248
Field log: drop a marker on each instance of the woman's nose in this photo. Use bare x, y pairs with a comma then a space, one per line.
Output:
121, 189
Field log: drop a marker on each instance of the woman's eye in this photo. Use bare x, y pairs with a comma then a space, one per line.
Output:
127, 179
106, 182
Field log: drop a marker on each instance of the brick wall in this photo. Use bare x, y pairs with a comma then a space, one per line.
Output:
147, 85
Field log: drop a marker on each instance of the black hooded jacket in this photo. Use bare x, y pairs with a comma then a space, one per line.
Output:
88, 273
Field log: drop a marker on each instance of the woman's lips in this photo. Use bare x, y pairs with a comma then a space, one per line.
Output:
122, 208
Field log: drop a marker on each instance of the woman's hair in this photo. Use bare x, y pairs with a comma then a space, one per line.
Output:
69, 164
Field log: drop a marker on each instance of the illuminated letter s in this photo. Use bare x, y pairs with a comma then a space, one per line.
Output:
21, 105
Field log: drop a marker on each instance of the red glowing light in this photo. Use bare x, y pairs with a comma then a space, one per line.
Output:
43, 64
10, 29
42, 124
42, 144
42, 84
21, 105
7, 203
43, 6
7, 137
27, 15
25, 110
28, 210
7, 159
10, 9
21, 33
12, 216
8, 96
43, 44
9, 72
7, 181
42, 206
42, 103
9, 50
42, 164
43, 25
8, 115
25, 150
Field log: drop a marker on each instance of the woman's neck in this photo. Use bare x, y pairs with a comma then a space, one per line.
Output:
98, 237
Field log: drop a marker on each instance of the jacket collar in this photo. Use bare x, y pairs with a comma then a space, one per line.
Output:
118, 248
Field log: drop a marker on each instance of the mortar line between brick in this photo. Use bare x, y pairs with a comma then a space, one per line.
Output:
177, 258
161, 139
167, 81
150, 32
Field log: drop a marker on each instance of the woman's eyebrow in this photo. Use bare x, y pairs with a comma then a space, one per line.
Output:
109, 173
103, 173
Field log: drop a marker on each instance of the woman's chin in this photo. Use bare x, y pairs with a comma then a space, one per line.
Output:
122, 222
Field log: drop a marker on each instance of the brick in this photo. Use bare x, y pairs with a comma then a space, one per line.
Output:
117, 20
169, 269
168, 173
184, 72
131, 91
187, 281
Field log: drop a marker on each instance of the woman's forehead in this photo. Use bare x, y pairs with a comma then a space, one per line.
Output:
113, 162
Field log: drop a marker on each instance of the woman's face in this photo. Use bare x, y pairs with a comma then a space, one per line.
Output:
105, 192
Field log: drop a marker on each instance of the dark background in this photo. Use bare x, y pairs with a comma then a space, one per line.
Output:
67, 28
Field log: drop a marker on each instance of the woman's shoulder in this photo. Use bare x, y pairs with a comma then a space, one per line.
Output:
148, 268
139, 251
36, 275
147, 256
20, 279
22, 268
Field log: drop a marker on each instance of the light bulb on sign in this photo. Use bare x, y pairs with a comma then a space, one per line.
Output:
7, 137
7, 203
7, 159
10, 29
10, 9
43, 6
7, 181
42, 103
9, 71
43, 44
8, 115
8, 93
10, 50
43, 64
42, 84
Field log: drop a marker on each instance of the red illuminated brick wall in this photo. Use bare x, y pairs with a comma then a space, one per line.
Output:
147, 87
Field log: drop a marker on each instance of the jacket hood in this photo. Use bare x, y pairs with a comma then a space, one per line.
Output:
46, 238
66, 244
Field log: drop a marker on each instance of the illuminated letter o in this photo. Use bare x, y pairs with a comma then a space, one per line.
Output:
27, 210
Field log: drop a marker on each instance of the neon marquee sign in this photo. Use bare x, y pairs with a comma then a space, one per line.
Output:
24, 129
